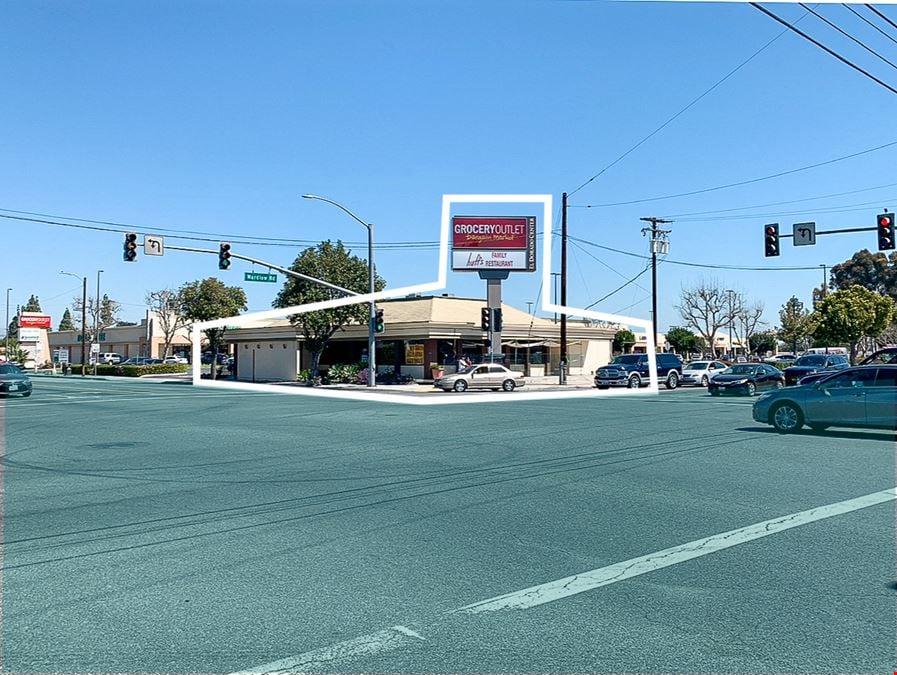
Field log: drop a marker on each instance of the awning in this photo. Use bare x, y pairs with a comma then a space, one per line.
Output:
526, 345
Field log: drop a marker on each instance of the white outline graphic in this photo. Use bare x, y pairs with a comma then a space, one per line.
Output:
440, 283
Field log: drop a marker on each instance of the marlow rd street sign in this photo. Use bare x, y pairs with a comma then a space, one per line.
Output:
258, 276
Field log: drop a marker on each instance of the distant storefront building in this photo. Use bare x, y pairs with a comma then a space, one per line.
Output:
143, 339
420, 331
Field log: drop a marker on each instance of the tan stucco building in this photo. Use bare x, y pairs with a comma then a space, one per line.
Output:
420, 331
143, 339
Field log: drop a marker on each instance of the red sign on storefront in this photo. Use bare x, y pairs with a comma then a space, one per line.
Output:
501, 242
34, 321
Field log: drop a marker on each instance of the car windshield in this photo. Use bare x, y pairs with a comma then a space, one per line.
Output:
7, 369
697, 366
740, 370
628, 359
811, 360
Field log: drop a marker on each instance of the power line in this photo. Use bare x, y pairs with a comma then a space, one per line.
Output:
739, 183
844, 32
832, 209
881, 15
239, 239
688, 264
618, 288
790, 201
869, 22
714, 86
823, 47
598, 260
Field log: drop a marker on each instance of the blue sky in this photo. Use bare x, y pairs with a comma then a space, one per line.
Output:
214, 117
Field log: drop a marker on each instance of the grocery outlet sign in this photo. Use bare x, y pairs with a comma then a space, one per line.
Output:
494, 242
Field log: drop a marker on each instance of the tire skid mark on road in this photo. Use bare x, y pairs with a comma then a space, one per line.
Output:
341, 653
329, 503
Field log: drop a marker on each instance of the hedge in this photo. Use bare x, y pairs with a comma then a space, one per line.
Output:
134, 371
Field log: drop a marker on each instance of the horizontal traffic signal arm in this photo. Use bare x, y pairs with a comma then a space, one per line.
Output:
263, 263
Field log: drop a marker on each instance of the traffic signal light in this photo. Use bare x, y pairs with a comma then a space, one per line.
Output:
772, 240
379, 325
486, 319
496, 319
885, 231
223, 256
130, 248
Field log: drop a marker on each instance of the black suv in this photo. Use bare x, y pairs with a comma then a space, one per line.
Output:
631, 370
812, 363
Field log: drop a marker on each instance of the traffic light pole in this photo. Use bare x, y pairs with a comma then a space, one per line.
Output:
270, 266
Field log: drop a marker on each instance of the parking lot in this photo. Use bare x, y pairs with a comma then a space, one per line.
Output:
159, 527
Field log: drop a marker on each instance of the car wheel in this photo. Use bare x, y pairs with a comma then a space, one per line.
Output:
705, 381
508, 385
635, 382
460, 385
786, 417
750, 388
672, 380
780, 384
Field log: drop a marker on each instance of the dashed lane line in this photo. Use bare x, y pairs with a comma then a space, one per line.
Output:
399, 637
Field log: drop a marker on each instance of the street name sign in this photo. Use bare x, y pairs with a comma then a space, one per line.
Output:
804, 234
259, 276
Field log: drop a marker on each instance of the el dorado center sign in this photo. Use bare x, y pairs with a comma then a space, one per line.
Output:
494, 242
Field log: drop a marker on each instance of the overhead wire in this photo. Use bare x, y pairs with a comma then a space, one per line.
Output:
789, 201
881, 15
845, 33
823, 47
671, 119
739, 183
869, 22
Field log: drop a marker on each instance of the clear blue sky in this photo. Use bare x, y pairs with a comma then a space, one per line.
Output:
214, 117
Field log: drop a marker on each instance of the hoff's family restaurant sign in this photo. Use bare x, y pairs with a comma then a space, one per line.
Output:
494, 242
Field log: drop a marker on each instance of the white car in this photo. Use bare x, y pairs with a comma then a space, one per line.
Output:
699, 372
174, 359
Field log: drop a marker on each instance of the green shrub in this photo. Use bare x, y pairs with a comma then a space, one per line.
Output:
135, 371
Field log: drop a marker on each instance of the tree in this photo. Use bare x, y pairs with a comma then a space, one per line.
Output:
33, 305
747, 320
66, 323
166, 306
763, 341
874, 271
12, 330
622, 339
851, 314
706, 309
795, 324
683, 341
208, 300
334, 264
108, 314
109, 310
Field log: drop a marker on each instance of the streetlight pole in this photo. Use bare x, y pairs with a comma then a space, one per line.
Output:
372, 344
6, 332
730, 293
83, 322
97, 323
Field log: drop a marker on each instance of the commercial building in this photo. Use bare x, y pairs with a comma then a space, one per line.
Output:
420, 331
143, 339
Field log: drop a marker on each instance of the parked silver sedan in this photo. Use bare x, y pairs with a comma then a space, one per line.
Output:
700, 372
482, 376
864, 396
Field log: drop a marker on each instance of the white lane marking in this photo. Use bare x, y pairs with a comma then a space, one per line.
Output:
399, 636
366, 645
587, 581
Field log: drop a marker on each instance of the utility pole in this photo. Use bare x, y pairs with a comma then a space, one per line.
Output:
563, 368
659, 244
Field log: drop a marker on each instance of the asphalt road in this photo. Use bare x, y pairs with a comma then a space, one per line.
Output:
153, 527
